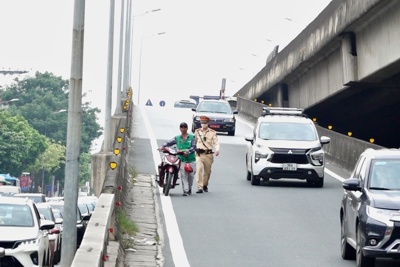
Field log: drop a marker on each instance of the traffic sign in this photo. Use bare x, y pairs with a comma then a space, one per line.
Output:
162, 103
148, 103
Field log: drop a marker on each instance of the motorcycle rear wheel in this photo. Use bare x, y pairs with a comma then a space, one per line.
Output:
168, 184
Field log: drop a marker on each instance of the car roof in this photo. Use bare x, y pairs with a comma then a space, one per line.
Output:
12, 200
382, 153
214, 100
285, 118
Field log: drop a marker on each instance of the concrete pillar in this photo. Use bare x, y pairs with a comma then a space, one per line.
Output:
349, 58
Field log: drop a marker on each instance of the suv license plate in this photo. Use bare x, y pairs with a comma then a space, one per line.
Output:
289, 166
214, 126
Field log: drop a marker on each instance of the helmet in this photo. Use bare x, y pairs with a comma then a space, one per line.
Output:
188, 168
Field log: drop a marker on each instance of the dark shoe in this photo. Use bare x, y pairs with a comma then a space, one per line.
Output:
190, 191
199, 191
205, 188
185, 194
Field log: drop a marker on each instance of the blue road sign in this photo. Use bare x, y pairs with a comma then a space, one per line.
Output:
162, 103
148, 103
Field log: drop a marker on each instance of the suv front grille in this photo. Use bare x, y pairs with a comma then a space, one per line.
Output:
288, 155
7, 244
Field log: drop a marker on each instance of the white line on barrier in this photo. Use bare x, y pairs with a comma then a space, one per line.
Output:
175, 240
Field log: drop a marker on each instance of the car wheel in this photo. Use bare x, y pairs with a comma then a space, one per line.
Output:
254, 179
361, 260
348, 252
320, 182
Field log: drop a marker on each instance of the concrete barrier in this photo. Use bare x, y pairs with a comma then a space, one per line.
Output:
93, 249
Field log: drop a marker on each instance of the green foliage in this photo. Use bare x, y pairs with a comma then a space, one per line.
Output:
42, 104
126, 229
84, 168
20, 144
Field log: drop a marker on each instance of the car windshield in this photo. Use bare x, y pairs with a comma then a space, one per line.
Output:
214, 107
384, 175
46, 212
15, 215
287, 131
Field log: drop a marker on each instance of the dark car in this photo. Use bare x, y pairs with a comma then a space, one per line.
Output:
81, 221
370, 208
222, 117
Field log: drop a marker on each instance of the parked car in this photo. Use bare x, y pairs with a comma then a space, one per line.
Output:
9, 190
370, 208
80, 220
24, 239
90, 201
222, 117
185, 104
285, 144
35, 197
55, 234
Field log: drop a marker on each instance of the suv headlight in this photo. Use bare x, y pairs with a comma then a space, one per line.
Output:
258, 155
228, 120
382, 215
30, 242
317, 156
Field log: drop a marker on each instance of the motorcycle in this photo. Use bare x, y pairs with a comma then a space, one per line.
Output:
169, 169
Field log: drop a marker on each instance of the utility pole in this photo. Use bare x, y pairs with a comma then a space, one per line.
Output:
69, 241
107, 132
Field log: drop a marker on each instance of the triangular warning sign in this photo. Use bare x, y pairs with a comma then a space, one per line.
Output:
148, 103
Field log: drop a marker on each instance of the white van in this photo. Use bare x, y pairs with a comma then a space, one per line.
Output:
9, 189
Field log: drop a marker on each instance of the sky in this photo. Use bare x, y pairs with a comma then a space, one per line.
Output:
202, 43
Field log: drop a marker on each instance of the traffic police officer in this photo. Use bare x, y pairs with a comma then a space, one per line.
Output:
206, 140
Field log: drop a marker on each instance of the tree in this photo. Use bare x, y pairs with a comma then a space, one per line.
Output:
20, 144
41, 98
51, 160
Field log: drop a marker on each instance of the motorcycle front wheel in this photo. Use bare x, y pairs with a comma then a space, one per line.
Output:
168, 183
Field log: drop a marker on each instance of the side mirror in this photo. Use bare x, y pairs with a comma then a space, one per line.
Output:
249, 138
325, 140
352, 184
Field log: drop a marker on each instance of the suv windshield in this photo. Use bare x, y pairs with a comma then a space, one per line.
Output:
214, 107
287, 131
384, 174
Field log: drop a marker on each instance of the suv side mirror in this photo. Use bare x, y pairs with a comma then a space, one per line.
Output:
325, 140
249, 138
352, 184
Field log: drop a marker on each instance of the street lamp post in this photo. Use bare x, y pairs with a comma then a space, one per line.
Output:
140, 60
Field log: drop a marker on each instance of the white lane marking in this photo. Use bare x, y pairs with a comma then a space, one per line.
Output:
175, 240
334, 175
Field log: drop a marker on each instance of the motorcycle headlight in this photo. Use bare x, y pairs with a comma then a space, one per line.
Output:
382, 215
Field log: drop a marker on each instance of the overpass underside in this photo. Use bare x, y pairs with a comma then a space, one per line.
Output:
343, 69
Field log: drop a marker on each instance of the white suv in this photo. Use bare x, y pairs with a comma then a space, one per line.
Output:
285, 144
23, 235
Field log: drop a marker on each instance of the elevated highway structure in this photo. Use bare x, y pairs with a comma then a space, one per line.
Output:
343, 69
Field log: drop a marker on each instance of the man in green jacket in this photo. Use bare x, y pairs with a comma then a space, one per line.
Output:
185, 142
